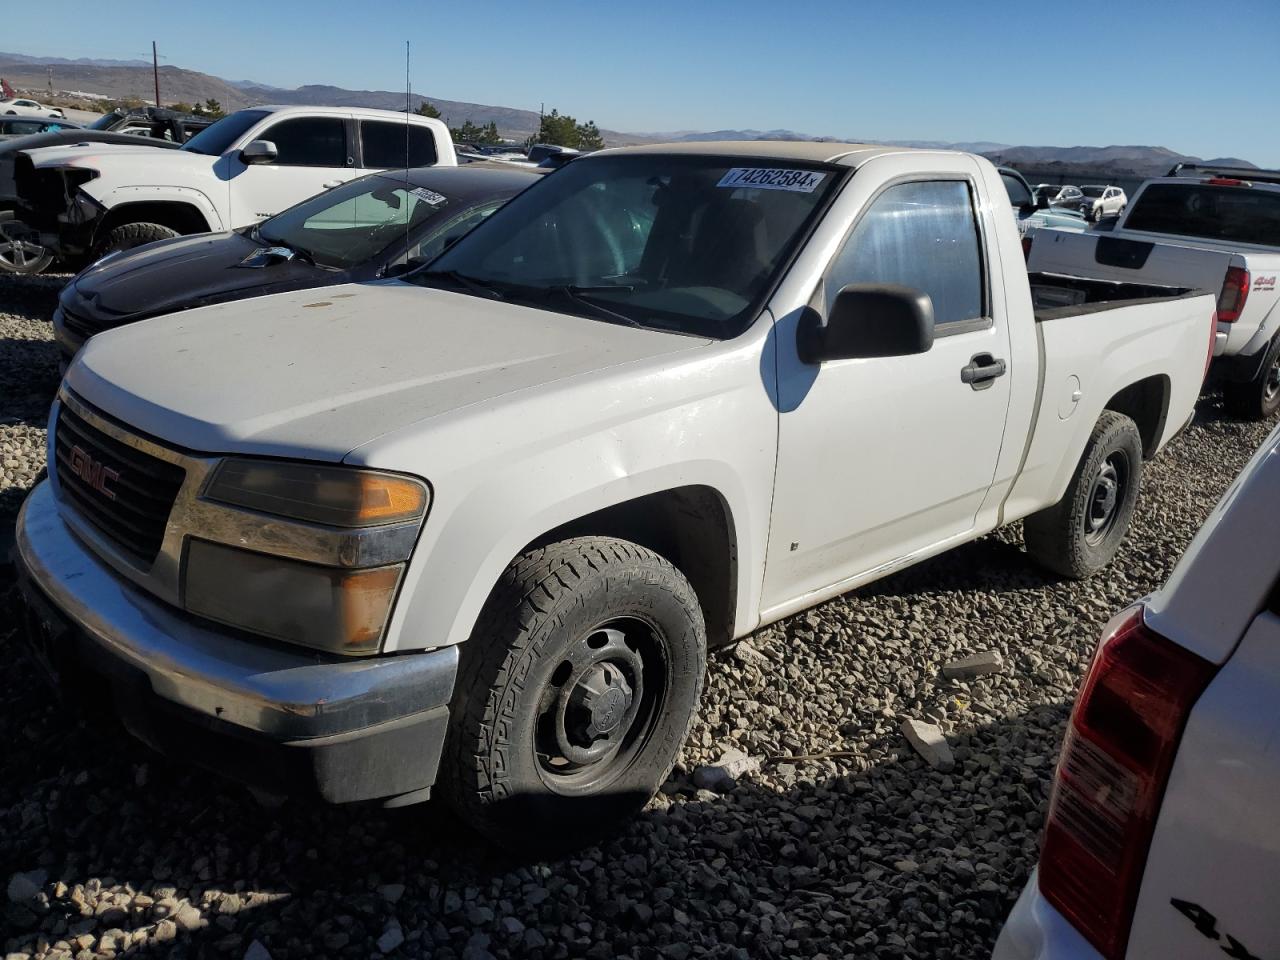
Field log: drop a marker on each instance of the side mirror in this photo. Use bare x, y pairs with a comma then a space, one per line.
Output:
1042, 201
259, 151
869, 320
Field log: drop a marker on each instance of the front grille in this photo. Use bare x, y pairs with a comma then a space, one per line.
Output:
124, 493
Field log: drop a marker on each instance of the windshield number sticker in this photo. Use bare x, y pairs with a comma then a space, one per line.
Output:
429, 197
763, 178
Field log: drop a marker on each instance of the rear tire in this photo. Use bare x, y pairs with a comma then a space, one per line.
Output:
1258, 398
575, 694
1080, 534
130, 235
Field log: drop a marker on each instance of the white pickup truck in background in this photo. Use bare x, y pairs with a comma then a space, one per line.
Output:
474, 530
248, 166
1162, 838
1217, 230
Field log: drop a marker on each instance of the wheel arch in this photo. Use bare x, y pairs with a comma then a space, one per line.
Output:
184, 216
690, 526
1146, 403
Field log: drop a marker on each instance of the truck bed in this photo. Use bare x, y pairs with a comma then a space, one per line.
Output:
1056, 295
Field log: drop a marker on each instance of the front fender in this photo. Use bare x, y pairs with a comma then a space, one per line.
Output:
122, 196
505, 476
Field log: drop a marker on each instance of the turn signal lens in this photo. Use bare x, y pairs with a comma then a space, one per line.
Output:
337, 496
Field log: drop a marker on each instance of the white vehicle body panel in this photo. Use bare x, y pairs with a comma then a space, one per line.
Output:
842, 510
1217, 842
230, 193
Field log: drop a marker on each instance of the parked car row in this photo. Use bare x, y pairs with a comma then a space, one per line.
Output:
1093, 201
444, 479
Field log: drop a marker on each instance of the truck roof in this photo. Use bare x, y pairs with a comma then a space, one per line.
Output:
811, 150
397, 115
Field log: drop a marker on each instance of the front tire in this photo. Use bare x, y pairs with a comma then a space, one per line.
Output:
130, 235
19, 253
575, 694
1080, 534
1258, 398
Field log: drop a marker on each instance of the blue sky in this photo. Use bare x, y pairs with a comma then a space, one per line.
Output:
1189, 76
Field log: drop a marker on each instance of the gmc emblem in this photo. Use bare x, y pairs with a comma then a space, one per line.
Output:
93, 472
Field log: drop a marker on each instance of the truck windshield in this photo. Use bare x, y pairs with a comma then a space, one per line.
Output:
1236, 214
214, 139
683, 243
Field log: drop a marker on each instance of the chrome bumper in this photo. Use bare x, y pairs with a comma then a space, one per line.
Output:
259, 687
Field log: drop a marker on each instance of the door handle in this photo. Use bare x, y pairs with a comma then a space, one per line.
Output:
981, 371
330, 184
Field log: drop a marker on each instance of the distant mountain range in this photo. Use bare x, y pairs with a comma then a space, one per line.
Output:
133, 78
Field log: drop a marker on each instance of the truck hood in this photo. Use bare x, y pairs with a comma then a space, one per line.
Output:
315, 374
181, 273
93, 155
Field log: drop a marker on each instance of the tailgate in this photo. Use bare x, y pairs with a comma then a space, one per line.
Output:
1109, 256
1212, 880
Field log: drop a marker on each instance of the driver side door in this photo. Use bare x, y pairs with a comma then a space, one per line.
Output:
885, 458
313, 154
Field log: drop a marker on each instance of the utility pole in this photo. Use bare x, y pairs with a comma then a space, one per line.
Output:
155, 70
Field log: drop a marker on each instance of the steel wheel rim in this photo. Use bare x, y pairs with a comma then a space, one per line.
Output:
598, 706
1106, 495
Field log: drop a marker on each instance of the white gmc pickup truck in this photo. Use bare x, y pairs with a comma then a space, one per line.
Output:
475, 530
250, 165
1213, 229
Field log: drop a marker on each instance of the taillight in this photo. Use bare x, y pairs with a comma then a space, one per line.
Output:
1227, 182
1119, 748
1235, 291
1026, 246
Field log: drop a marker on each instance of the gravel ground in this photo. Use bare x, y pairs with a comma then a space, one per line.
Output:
845, 843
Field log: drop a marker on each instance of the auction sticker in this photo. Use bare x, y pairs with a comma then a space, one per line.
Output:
429, 197
768, 178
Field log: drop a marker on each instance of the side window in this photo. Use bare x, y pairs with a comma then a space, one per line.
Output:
384, 144
922, 235
1019, 195
309, 142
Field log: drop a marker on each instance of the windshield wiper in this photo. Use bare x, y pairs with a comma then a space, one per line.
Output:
580, 294
473, 284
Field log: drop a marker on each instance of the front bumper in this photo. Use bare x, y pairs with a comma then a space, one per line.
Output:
1036, 931
288, 721
69, 341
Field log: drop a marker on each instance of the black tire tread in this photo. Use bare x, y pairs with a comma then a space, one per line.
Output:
1050, 535
501, 648
130, 235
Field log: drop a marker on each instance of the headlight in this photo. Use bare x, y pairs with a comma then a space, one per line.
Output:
343, 611
337, 496
336, 597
